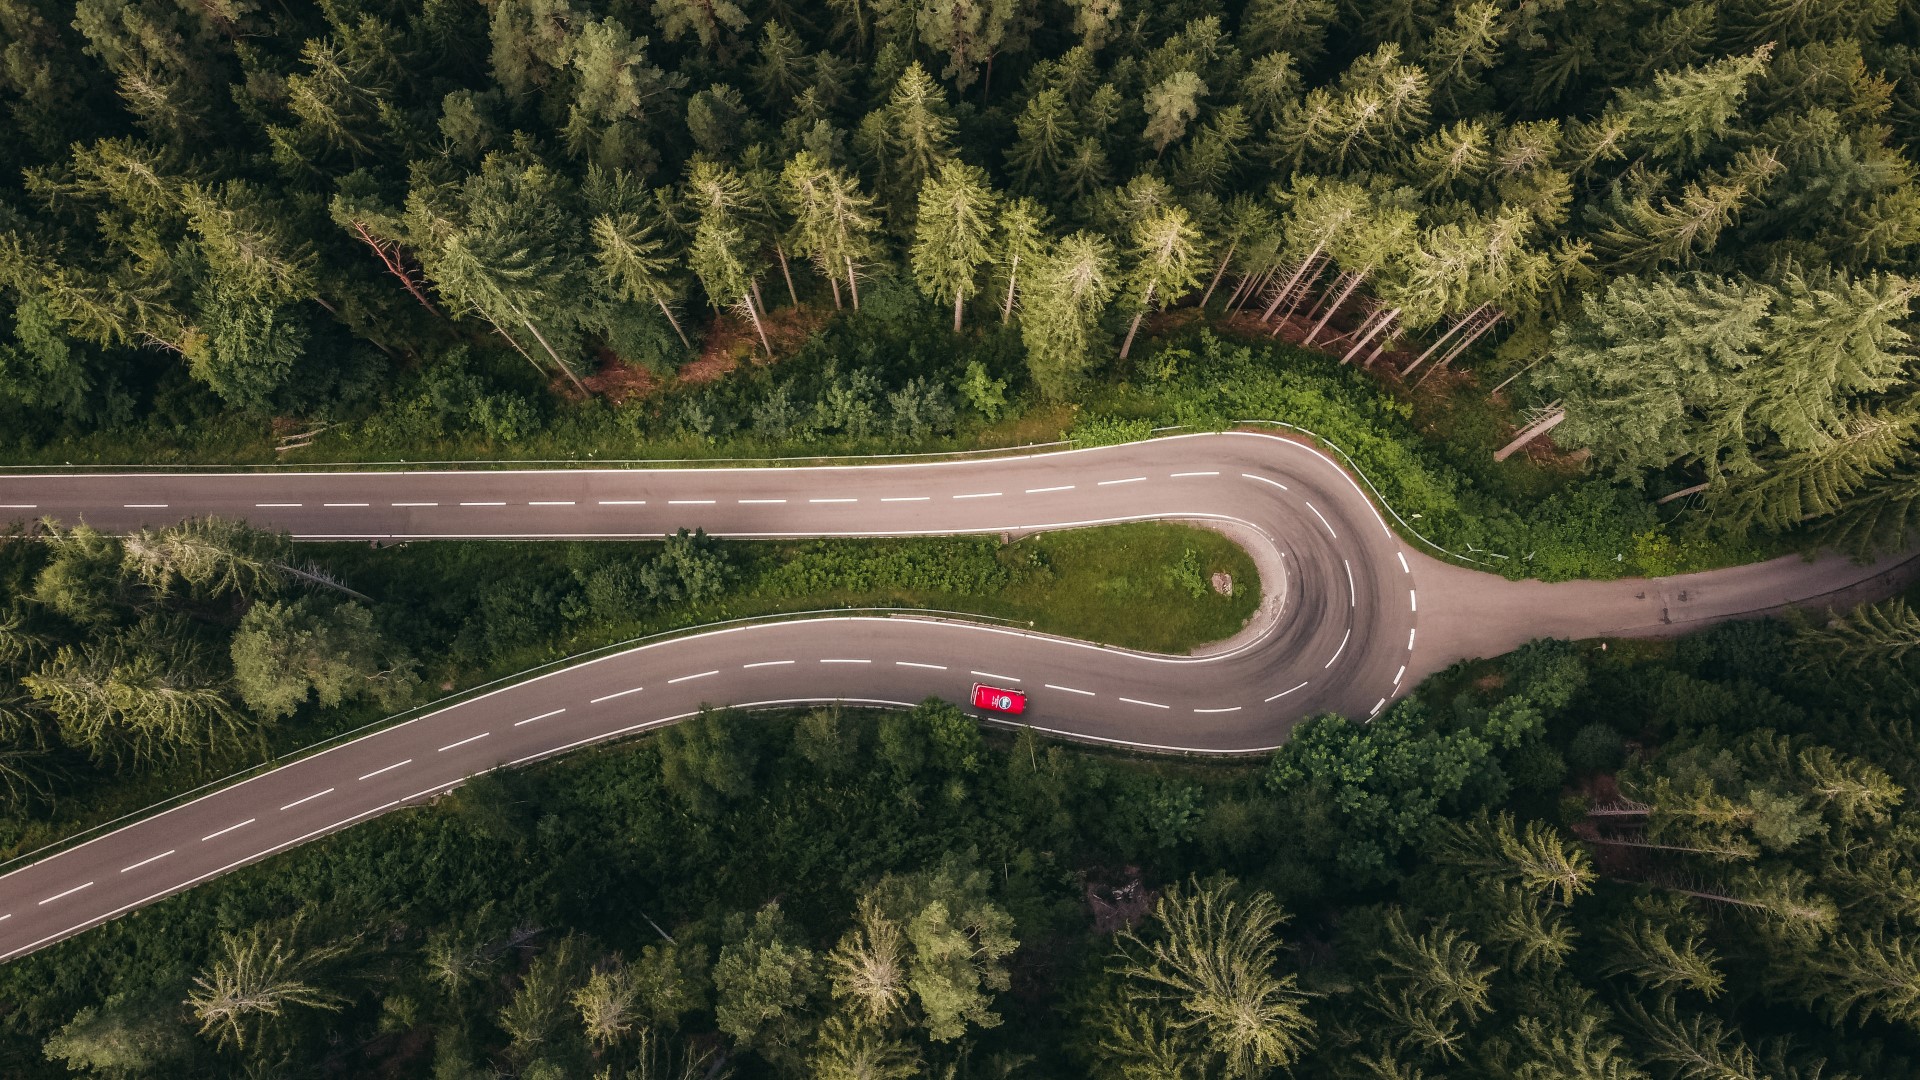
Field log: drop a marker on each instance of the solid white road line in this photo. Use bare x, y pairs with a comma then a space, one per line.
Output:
228, 829
1403, 562
1284, 693
350, 506
150, 859
463, 742
846, 661
483, 504
1128, 480
544, 715
833, 500
1323, 519
623, 502
763, 502
1180, 475
1413, 600
308, 799
980, 495
609, 697
1068, 689
1043, 491
991, 675
1265, 480
64, 895
388, 768
908, 498
767, 663
689, 502
1236, 708
1148, 704
1353, 600
690, 678
1341, 649
552, 502
929, 667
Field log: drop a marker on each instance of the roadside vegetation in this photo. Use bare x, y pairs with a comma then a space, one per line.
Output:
134, 669
1665, 859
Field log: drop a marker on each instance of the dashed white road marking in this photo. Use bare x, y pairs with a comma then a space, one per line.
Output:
1377, 706
689, 502
1413, 600
991, 675
347, 506
149, 859
1342, 648
552, 502
1410, 632
386, 769
1128, 480
1397, 675
228, 829
907, 498
763, 502
1181, 475
623, 502
833, 500
308, 799
1403, 562
846, 661
483, 504
1045, 490
598, 700
544, 715
276, 506
143, 506
36, 506
911, 663
64, 895
1266, 480
1284, 693
1068, 689
1323, 519
417, 504
1235, 708
980, 495
768, 663
1148, 704
690, 678
463, 742
1353, 599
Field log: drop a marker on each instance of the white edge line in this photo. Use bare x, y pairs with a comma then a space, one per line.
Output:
463, 742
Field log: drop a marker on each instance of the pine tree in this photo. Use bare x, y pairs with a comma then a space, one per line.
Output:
1171, 105
1794, 487
1071, 288
1696, 1047
1686, 112
1635, 233
834, 223
708, 21
1019, 239
951, 233
254, 977
1863, 975
868, 967
1883, 633
906, 140
1298, 27
1643, 947
1165, 251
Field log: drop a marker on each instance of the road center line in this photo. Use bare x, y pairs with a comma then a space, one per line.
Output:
346, 505
1148, 704
1410, 632
416, 504
1323, 519
623, 502
929, 667
388, 768
846, 661
64, 895
553, 502
1398, 674
228, 829
762, 502
1068, 689
36, 506
150, 859
1180, 475
610, 697
1236, 708
767, 663
1413, 600
1284, 693
980, 495
690, 678
991, 675
463, 742
143, 506
689, 502
1341, 649
1377, 706
308, 799
276, 506
483, 504
1128, 480
1045, 490
1403, 562
1264, 480
832, 500
908, 498
1353, 599
544, 715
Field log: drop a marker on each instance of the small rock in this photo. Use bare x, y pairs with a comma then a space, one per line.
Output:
1223, 584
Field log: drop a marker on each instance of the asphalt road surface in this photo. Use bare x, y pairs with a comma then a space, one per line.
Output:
1354, 617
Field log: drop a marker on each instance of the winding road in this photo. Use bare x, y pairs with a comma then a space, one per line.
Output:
1353, 617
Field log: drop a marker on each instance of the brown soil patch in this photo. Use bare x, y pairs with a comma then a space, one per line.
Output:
1119, 899
618, 381
730, 341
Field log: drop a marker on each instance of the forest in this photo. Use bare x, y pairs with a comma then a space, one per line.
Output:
1664, 252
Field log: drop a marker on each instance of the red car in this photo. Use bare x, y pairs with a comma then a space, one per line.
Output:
995, 699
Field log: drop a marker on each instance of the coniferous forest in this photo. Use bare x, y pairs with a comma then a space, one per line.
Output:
1667, 253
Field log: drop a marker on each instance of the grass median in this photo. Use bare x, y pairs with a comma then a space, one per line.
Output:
472, 611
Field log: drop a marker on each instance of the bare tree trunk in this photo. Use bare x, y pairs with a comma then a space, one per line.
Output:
1265, 278
781, 254
1378, 322
1238, 288
673, 322
833, 282
754, 283
853, 284
1299, 273
1134, 327
1529, 433
1509, 379
753, 313
1218, 274
1013, 275
561, 364
385, 251
498, 329
1473, 335
1334, 308
959, 299
1451, 330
